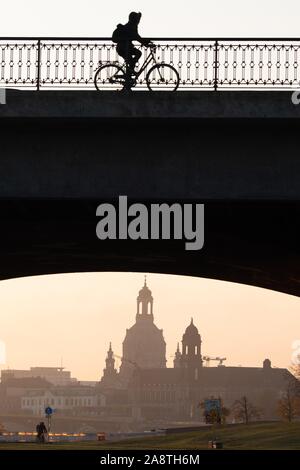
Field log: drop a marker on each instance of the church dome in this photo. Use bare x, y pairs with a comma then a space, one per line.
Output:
191, 330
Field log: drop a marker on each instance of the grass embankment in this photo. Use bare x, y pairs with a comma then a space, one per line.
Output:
252, 436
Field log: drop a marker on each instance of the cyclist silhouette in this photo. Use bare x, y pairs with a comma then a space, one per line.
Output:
124, 35
155, 74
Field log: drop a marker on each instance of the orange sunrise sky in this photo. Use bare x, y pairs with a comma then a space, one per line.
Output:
73, 317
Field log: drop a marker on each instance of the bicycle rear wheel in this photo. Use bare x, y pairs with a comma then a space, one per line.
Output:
109, 77
162, 77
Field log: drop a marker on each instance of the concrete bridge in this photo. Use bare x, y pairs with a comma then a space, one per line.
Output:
63, 152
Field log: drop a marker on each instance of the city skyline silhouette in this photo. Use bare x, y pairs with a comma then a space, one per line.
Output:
76, 316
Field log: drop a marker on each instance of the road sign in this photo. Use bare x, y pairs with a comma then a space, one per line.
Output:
213, 411
48, 411
212, 405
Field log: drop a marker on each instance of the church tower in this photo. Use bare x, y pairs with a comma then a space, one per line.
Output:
177, 358
191, 358
144, 346
144, 304
109, 373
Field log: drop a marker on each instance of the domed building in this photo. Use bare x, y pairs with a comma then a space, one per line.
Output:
191, 348
145, 389
144, 346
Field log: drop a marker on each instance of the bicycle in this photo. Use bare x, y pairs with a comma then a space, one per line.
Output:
114, 76
41, 438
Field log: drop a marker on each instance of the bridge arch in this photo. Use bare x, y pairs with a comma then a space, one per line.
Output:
249, 243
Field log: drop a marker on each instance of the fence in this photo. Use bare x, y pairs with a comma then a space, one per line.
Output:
216, 64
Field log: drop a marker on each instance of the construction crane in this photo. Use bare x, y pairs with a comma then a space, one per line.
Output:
207, 360
127, 360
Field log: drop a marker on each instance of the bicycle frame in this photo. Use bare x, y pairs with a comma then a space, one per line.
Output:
151, 58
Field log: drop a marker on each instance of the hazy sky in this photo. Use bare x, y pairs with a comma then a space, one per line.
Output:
74, 316
160, 18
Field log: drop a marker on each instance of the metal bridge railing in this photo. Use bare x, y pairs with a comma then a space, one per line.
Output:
216, 64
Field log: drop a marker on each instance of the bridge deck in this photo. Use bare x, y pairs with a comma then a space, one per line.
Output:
191, 105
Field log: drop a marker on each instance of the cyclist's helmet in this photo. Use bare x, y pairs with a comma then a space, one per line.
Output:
135, 17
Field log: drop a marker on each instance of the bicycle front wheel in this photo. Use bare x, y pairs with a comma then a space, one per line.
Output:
162, 77
109, 77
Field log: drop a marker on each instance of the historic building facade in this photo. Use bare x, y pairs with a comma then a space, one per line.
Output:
154, 392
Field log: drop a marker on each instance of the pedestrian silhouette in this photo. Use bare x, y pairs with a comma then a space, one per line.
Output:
123, 37
41, 431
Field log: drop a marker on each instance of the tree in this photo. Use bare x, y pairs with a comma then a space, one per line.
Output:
295, 370
289, 404
225, 412
244, 411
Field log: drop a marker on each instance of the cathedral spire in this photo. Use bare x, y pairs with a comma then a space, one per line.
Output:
110, 361
177, 357
109, 373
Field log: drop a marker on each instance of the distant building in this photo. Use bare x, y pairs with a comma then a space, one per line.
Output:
54, 375
88, 383
12, 390
155, 392
75, 401
144, 345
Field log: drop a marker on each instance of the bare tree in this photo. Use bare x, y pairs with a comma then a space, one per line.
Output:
244, 411
2, 429
289, 404
295, 370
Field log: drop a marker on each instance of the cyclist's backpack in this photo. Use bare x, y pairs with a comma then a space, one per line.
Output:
118, 34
